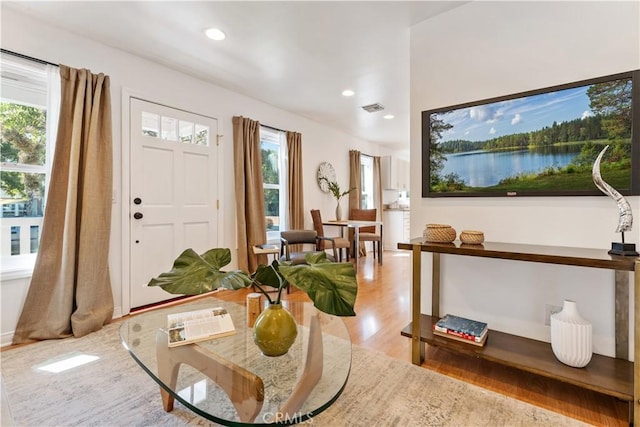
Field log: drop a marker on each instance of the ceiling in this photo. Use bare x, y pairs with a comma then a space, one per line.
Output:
298, 56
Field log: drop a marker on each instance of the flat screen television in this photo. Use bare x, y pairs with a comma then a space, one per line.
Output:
537, 143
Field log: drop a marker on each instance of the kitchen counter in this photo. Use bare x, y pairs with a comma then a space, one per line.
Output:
396, 209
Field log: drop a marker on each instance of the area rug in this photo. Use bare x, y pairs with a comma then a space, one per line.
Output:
114, 391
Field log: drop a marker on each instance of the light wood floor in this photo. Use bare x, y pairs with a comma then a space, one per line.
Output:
383, 309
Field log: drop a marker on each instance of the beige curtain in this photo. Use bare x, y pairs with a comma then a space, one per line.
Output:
70, 291
250, 214
294, 182
377, 188
355, 197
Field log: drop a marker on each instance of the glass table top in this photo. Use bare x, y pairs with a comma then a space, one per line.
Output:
229, 381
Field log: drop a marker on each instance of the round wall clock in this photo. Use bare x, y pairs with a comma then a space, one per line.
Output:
325, 170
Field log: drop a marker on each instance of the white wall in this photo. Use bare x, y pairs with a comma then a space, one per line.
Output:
25, 35
487, 49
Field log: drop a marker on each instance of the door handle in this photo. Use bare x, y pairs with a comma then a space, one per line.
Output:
138, 215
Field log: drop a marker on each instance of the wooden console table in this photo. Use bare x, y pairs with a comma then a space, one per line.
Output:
607, 375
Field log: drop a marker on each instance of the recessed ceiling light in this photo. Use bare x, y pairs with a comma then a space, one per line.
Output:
348, 92
389, 116
215, 34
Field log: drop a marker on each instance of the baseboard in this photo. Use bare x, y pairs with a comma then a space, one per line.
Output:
7, 337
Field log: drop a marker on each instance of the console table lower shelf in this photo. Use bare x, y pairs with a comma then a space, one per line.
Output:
606, 375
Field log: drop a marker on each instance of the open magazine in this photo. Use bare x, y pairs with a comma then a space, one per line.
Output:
199, 325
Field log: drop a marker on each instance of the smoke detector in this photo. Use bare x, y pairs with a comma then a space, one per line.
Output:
372, 108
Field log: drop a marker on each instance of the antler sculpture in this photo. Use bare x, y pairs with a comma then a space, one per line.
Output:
626, 217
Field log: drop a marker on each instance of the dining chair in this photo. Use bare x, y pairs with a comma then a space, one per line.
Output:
367, 234
338, 243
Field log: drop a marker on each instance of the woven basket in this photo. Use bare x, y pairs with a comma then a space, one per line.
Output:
439, 233
471, 237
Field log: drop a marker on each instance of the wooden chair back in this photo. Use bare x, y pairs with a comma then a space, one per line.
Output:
364, 215
317, 225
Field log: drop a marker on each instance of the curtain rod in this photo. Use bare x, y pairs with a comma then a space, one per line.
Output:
364, 154
272, 128
30, 58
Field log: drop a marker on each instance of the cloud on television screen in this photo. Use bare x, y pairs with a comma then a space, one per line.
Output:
587, 113
492, 130
516, 119
486, 114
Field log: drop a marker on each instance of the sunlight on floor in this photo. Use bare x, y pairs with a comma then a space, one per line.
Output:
400, 254
66, 362
369, 325
368, 275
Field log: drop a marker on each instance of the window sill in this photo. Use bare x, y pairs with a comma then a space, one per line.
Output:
17, 267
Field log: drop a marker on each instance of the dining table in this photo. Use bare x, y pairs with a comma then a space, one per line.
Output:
356, 225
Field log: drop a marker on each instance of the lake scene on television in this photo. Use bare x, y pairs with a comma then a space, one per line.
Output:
542, 143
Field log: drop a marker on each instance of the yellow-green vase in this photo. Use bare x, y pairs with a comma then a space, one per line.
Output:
275, 330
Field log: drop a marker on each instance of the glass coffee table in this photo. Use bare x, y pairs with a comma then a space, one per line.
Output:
229, 381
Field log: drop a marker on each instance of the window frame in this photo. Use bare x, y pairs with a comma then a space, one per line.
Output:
366, 182
31, 84
269, 135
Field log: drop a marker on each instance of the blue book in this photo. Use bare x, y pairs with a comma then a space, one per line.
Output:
450, 323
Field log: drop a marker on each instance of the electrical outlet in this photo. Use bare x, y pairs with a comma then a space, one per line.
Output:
550, 309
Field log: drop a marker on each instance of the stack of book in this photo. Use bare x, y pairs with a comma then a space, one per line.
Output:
461, 329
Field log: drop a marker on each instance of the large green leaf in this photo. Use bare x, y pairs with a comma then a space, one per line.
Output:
268, 275
217, 257
332, 286
194, 274
316, 257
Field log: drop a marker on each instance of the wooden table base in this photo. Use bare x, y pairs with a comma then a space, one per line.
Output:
245, 389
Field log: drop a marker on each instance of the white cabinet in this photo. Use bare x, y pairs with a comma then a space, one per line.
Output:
404, 175
395, 173
385, 172
396, 228
406, 226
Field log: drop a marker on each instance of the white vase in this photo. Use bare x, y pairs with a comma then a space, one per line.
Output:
338, 212
571, 336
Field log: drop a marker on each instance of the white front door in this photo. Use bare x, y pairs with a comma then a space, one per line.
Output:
174, 192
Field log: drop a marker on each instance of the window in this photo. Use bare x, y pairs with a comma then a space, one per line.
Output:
273, 151
172, 129
366, 180
28, 117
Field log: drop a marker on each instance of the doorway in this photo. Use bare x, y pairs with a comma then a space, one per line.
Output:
173, 192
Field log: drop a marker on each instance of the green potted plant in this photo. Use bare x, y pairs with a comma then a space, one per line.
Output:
337, 192
331, 286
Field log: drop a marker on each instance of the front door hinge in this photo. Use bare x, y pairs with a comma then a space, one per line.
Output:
218, 204
218, 139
